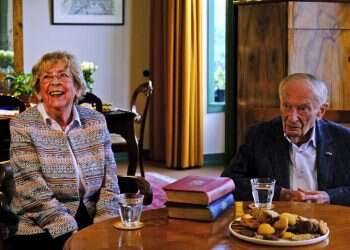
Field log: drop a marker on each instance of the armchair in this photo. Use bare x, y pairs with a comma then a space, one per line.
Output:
8, 220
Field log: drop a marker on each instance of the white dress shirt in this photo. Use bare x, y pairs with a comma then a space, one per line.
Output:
302, 166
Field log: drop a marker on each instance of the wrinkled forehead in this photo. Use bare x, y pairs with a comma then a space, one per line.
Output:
301, 90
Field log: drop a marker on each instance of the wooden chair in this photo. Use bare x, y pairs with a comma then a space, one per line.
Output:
127, 184
92, 99
118, 142
8, 103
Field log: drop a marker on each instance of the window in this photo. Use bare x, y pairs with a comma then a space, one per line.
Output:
216, 55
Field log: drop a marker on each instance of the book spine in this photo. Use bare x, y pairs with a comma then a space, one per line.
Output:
220, 205
221, 191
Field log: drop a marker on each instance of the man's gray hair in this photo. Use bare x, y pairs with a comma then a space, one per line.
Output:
318, 86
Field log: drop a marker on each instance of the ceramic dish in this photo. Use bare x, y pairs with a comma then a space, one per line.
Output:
280, 242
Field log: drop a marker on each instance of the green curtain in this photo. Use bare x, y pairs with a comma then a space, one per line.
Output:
4, 24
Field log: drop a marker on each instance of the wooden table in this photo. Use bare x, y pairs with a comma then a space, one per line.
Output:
122, 122
185, 234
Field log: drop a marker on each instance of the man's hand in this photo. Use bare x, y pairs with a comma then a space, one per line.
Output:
316, 196
289, 195
302, 195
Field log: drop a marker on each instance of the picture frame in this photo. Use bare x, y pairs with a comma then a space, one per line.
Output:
87, 12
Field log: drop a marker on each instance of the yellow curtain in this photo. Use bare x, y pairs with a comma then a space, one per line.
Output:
183, 84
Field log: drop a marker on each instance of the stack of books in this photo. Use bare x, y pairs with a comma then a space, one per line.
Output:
199, 197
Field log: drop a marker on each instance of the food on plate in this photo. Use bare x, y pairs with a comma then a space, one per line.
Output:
249, 221
282, 223
270, 225
107, 107
292, 218
287, 235
266, 229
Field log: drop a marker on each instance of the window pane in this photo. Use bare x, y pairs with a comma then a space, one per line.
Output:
216, 54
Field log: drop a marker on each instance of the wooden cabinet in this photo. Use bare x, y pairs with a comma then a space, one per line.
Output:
275, 39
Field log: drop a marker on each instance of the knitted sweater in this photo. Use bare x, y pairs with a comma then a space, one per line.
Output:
47, 191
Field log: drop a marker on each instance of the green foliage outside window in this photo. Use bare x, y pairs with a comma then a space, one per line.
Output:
216, 38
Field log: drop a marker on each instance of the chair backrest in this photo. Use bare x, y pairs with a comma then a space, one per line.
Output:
146, 89
10, 102
91, 99
8, 220
7, 184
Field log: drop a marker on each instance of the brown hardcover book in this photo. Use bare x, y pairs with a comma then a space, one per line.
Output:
200, 190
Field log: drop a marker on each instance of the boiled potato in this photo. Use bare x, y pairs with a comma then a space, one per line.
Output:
292, 218
265, 229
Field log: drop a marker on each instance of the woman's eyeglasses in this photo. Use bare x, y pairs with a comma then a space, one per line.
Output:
62, 76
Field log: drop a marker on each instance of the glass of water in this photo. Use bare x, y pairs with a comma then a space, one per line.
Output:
130, 208
263, 190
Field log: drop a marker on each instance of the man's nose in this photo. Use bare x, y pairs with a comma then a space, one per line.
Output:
293, 114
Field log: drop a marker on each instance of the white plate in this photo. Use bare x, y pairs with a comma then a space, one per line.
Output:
281, 242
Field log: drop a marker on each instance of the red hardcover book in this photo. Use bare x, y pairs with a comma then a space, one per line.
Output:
201, 190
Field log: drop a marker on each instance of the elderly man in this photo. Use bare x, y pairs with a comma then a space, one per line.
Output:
307, 155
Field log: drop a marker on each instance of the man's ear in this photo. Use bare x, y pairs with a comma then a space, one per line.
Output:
322, 110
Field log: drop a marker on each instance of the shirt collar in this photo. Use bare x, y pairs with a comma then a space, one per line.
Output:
48, 120
311, 141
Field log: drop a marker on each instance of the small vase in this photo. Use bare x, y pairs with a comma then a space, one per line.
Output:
219, 95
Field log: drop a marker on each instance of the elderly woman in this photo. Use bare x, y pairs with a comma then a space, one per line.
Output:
64, 168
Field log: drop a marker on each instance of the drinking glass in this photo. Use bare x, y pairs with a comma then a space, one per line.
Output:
263, 190
130, 208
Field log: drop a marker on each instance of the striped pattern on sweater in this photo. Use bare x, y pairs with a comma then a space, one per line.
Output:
47, 196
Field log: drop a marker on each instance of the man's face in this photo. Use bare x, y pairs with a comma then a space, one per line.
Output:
299, 110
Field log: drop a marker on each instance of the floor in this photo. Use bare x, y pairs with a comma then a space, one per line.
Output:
175, 173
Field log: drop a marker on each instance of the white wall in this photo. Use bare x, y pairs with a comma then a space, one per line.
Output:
121, 52
105, 45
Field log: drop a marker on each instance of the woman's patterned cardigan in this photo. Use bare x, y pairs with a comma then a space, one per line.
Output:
47, 195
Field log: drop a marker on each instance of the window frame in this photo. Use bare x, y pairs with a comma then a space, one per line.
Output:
212, 107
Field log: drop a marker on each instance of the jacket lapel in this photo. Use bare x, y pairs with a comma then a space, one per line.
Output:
325, 155
281, 157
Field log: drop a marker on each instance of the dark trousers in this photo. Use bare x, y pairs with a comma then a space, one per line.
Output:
44, 241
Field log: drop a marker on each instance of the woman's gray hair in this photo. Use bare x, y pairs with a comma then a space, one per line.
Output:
52, 58
318, 86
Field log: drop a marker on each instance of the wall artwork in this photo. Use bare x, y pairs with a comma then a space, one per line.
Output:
91, 12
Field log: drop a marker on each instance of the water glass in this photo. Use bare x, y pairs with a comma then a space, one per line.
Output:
263, 191
130, 208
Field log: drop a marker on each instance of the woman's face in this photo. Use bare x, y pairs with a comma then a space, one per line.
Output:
57, 89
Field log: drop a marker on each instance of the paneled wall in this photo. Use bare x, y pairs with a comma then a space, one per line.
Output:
262, 58
319, 43
276, 39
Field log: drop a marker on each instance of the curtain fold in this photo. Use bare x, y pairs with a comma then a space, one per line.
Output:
177, 77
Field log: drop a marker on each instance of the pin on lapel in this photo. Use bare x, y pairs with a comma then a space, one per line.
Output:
329, 153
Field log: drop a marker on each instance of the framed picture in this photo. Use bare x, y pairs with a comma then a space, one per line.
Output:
100, 12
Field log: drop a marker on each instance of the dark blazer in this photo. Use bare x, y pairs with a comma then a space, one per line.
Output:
266, 154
